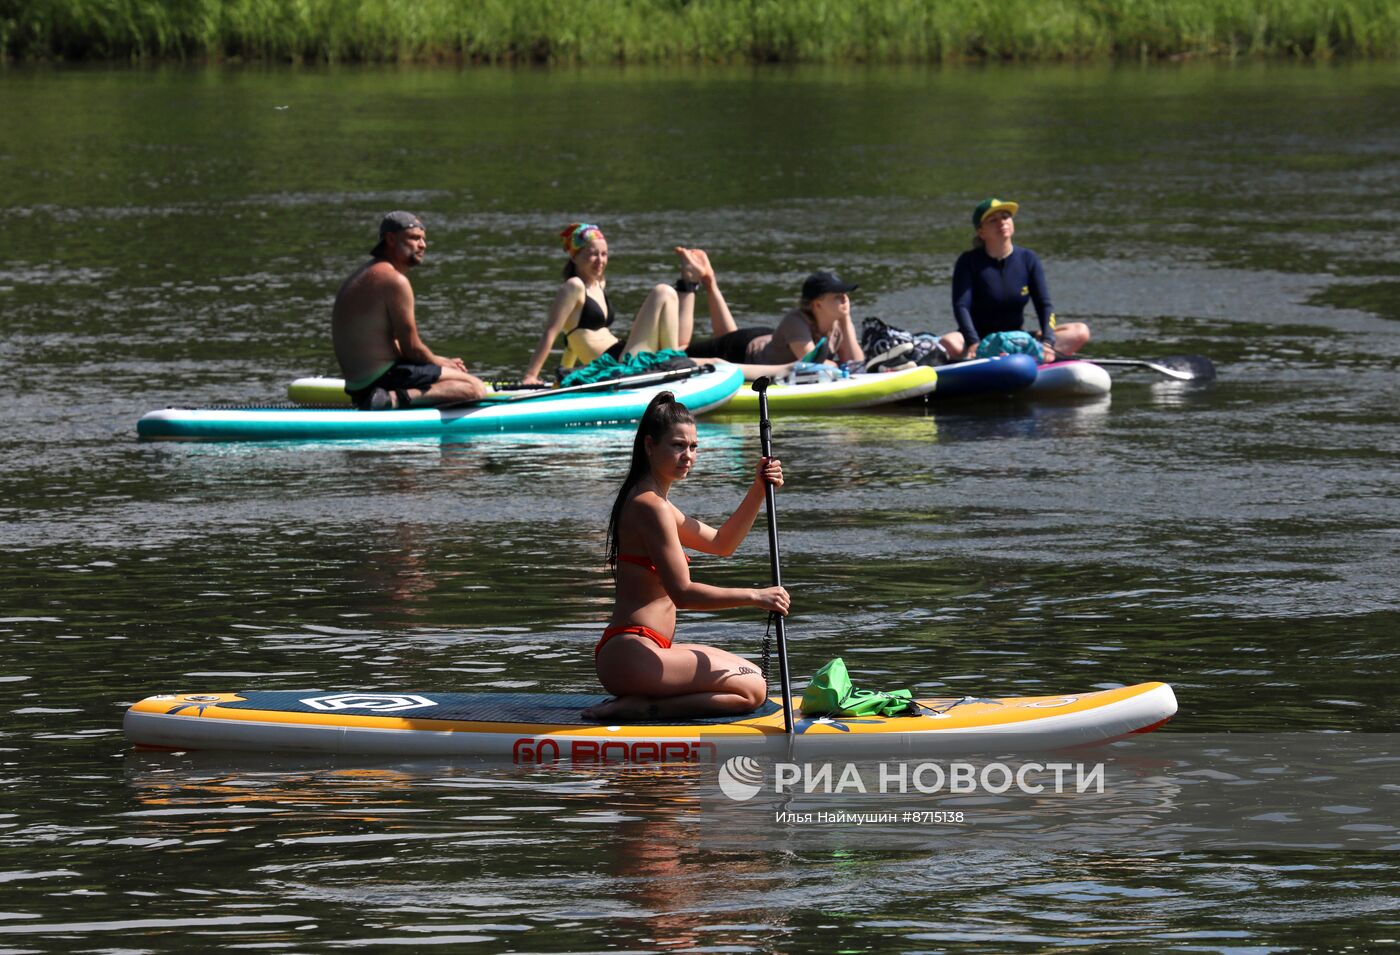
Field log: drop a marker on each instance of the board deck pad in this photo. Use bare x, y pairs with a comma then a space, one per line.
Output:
538, 708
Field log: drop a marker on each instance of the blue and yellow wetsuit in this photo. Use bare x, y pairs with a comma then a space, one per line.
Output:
989, 295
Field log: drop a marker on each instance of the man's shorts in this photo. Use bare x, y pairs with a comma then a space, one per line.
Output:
397, 379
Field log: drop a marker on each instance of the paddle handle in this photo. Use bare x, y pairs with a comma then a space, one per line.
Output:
765, 437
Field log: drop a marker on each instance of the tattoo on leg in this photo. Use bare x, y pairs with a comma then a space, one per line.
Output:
745, 671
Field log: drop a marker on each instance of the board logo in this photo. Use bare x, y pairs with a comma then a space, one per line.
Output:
378, 702
740, 778
536, 749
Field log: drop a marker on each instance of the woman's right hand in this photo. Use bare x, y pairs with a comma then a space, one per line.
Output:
531, 380
772, 599
770, 471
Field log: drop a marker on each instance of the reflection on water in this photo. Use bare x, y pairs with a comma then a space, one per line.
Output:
179, 240
431, 851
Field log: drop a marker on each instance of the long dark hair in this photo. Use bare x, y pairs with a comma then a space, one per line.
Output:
663, 414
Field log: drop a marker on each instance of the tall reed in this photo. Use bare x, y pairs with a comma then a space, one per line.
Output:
558, 31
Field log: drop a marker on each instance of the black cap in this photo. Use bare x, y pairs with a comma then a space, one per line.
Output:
394, 222
820, 283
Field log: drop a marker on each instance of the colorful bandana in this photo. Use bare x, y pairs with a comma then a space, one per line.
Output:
578, 234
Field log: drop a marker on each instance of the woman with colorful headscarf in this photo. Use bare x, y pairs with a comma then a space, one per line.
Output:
992, 283
583, 314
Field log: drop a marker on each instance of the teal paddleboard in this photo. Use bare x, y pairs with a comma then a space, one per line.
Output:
700, 393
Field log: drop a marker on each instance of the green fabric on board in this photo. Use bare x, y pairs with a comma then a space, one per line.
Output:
831, 693
605, 367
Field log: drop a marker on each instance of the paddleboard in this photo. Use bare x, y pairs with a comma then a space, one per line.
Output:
541, 727
1005, 374
840, 394
700, 393
1071, 379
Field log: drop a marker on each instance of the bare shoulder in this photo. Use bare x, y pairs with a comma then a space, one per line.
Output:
375, 276
652, 510
572, 289
568, 300
384, 275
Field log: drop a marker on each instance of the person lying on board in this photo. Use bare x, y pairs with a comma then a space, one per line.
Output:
823, 312
375, 334
648, 674
582, 312
993, 281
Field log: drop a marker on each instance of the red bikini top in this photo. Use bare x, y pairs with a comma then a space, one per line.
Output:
641, 561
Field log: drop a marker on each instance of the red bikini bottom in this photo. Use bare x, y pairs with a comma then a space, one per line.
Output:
663, 642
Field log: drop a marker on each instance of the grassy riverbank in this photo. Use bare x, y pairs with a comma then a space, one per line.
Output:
644, 31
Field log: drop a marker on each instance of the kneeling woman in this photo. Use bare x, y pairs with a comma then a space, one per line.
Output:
648, 675
581, 310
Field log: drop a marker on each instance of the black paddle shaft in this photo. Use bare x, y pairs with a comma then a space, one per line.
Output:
765, 434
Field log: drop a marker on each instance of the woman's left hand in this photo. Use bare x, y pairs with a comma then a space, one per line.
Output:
770, 470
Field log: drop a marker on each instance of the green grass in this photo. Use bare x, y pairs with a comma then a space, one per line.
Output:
650, 31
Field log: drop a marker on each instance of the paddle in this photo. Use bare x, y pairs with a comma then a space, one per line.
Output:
818, 353
629, 381
765, 433
1180, 367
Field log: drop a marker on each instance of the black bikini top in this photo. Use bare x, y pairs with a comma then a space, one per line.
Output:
591, 316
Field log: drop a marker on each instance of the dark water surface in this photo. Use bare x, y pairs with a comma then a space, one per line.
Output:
176, 236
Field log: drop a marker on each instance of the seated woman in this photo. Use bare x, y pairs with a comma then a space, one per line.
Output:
824, 312
648, 675
581, 310
993, 281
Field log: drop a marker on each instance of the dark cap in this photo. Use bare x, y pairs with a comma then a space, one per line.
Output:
394, 222
820, 283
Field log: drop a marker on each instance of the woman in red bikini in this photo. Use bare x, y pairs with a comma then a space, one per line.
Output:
648, 675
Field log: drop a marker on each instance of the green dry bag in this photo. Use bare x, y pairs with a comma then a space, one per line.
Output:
831, 694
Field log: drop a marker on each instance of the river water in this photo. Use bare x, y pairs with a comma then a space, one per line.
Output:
175, 236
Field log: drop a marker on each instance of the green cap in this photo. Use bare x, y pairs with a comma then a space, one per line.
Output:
991, 205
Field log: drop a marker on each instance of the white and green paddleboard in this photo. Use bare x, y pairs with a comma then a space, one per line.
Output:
701, 390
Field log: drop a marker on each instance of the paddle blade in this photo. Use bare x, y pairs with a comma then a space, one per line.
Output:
1199, 367
1178, 367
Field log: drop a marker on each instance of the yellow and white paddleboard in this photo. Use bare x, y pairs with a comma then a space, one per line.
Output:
840, 394
540, 727
852, 392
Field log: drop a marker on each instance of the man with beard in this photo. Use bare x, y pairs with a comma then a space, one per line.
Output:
385, 363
